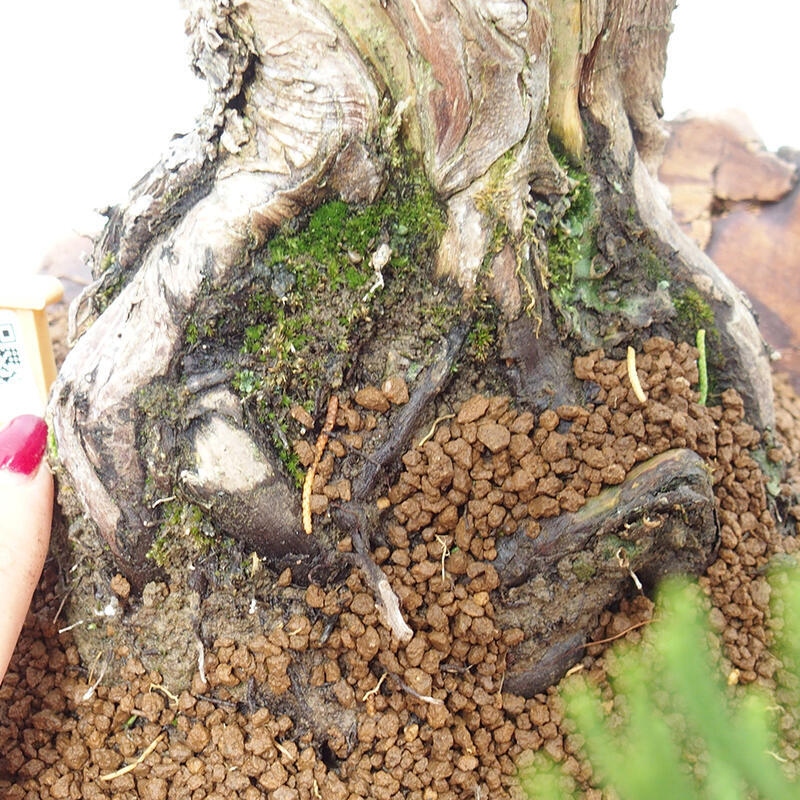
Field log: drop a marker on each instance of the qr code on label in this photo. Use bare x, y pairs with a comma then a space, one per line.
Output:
10, 359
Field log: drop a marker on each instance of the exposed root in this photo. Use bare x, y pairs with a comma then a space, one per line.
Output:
406, 420
429, 434
109, 776
375, 689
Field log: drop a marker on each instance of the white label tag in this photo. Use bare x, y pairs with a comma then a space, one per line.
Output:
18, 390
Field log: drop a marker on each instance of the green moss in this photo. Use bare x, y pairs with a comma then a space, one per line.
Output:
162, 400
653, 267
332, 250
583, 568
693, 312
52, 446
612, 544
606, 273
491, 200
280, 442
571, 247
184, 534
480, 341
774, 471
442, 316
314, 294
253, 338
192, 334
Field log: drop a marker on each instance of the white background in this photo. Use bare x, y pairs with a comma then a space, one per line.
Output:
93, 90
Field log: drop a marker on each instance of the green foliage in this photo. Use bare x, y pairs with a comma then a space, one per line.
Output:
676, 729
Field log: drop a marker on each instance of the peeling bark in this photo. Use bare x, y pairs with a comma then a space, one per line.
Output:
312, 101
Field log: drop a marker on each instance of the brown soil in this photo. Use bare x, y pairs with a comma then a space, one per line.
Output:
428, 718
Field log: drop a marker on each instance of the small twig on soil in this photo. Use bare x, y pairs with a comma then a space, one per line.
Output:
322, 441
633, 375
389, 605
216, 701
616, 636
61, 605
284, 750
426, 698
67, 628
445, 554
375, 689
128, 767
89, 693
624, 562
157, 687
201, 659
429, 434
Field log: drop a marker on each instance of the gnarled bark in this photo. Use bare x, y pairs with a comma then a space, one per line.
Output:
322, 99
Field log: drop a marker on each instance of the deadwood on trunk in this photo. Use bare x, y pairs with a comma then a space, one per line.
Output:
315, 100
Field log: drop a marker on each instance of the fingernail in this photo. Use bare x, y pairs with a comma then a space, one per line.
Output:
22, 444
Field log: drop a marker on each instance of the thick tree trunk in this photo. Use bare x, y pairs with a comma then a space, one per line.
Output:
372, 192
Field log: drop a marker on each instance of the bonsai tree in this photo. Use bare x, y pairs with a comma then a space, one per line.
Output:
397, 227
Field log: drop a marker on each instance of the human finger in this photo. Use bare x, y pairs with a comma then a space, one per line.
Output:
26, 509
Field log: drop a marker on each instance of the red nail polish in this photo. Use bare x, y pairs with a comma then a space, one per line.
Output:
22, 444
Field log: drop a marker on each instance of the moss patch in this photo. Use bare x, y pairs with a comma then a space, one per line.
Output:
184, 535
322, 287
571, 244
